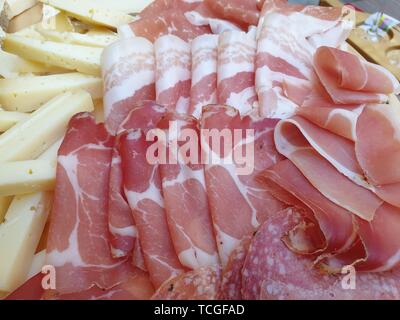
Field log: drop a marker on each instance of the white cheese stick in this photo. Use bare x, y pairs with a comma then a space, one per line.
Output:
89, 11
29, 138
25, 19
20, 235
23, 177
27, 94
69, 56
100, 41
8, 119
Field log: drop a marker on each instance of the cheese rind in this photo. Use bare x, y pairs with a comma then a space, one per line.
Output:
30, 138
69, 56
27, 94
4, 204
23, 177
8, 119
89, 11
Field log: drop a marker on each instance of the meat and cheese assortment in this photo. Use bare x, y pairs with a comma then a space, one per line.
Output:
82, 91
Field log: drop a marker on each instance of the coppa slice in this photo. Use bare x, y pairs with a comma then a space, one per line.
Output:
78, 240
272, 271
128, 68
142, 184
185, 195
173, 73
239, 203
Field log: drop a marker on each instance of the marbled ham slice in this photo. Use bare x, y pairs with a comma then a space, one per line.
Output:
159, 6
173, 73
204, 73
142, 184
239, 203
78, 240
128, 68
236, 57
365, 83
273, 272
200, 284
284, 61
184, 191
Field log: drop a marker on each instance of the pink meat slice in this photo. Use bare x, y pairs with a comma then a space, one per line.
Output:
273, 272
204, 73
239, 203
236, 58
200, 284
185, 195
173, 73
78, 240
128, 68
142, 184
160, 6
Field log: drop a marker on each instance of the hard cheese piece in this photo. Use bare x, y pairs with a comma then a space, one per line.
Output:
15, 7
11, 66
4, 204
89, 11
28, 139
88, 40
19, 237
26, 94
23, 177
26, 18
8, 119
69, 56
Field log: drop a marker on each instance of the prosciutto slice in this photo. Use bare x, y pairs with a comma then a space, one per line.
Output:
78, 239
128, 68
204, 73
350, 80
273, 272
239, 203
159, 6
173, 73
142, 184
236, 58
284, 62
185, 195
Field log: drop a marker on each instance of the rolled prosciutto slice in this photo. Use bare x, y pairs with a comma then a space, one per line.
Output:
78, 239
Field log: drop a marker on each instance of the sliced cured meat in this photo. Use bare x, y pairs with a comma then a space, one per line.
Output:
128, 69
160, 6
236, 56
327, 161
173, 73
30, 290
350, 80
204, 73
284, 61
273, 272
200, 284
231, 285
142, 184
169, 22
239, 203
185, 195
78, 239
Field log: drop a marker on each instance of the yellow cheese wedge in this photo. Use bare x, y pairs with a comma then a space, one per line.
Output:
69, 56
15, 7
8, 119
30, 138
23, 177
26, 94
90, 11
89, 40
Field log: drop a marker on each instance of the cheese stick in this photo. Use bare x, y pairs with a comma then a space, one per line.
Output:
27, 94
28, 139
26, 18
8, 119
90, 11
69, 56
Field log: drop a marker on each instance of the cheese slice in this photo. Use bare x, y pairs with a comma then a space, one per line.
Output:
29, 138
19, 237
68, 56
26, 94
23, 177
25, 19
12, 66
90, 11
8, 119
89, 40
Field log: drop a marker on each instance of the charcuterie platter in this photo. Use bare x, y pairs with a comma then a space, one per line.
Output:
195, 149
